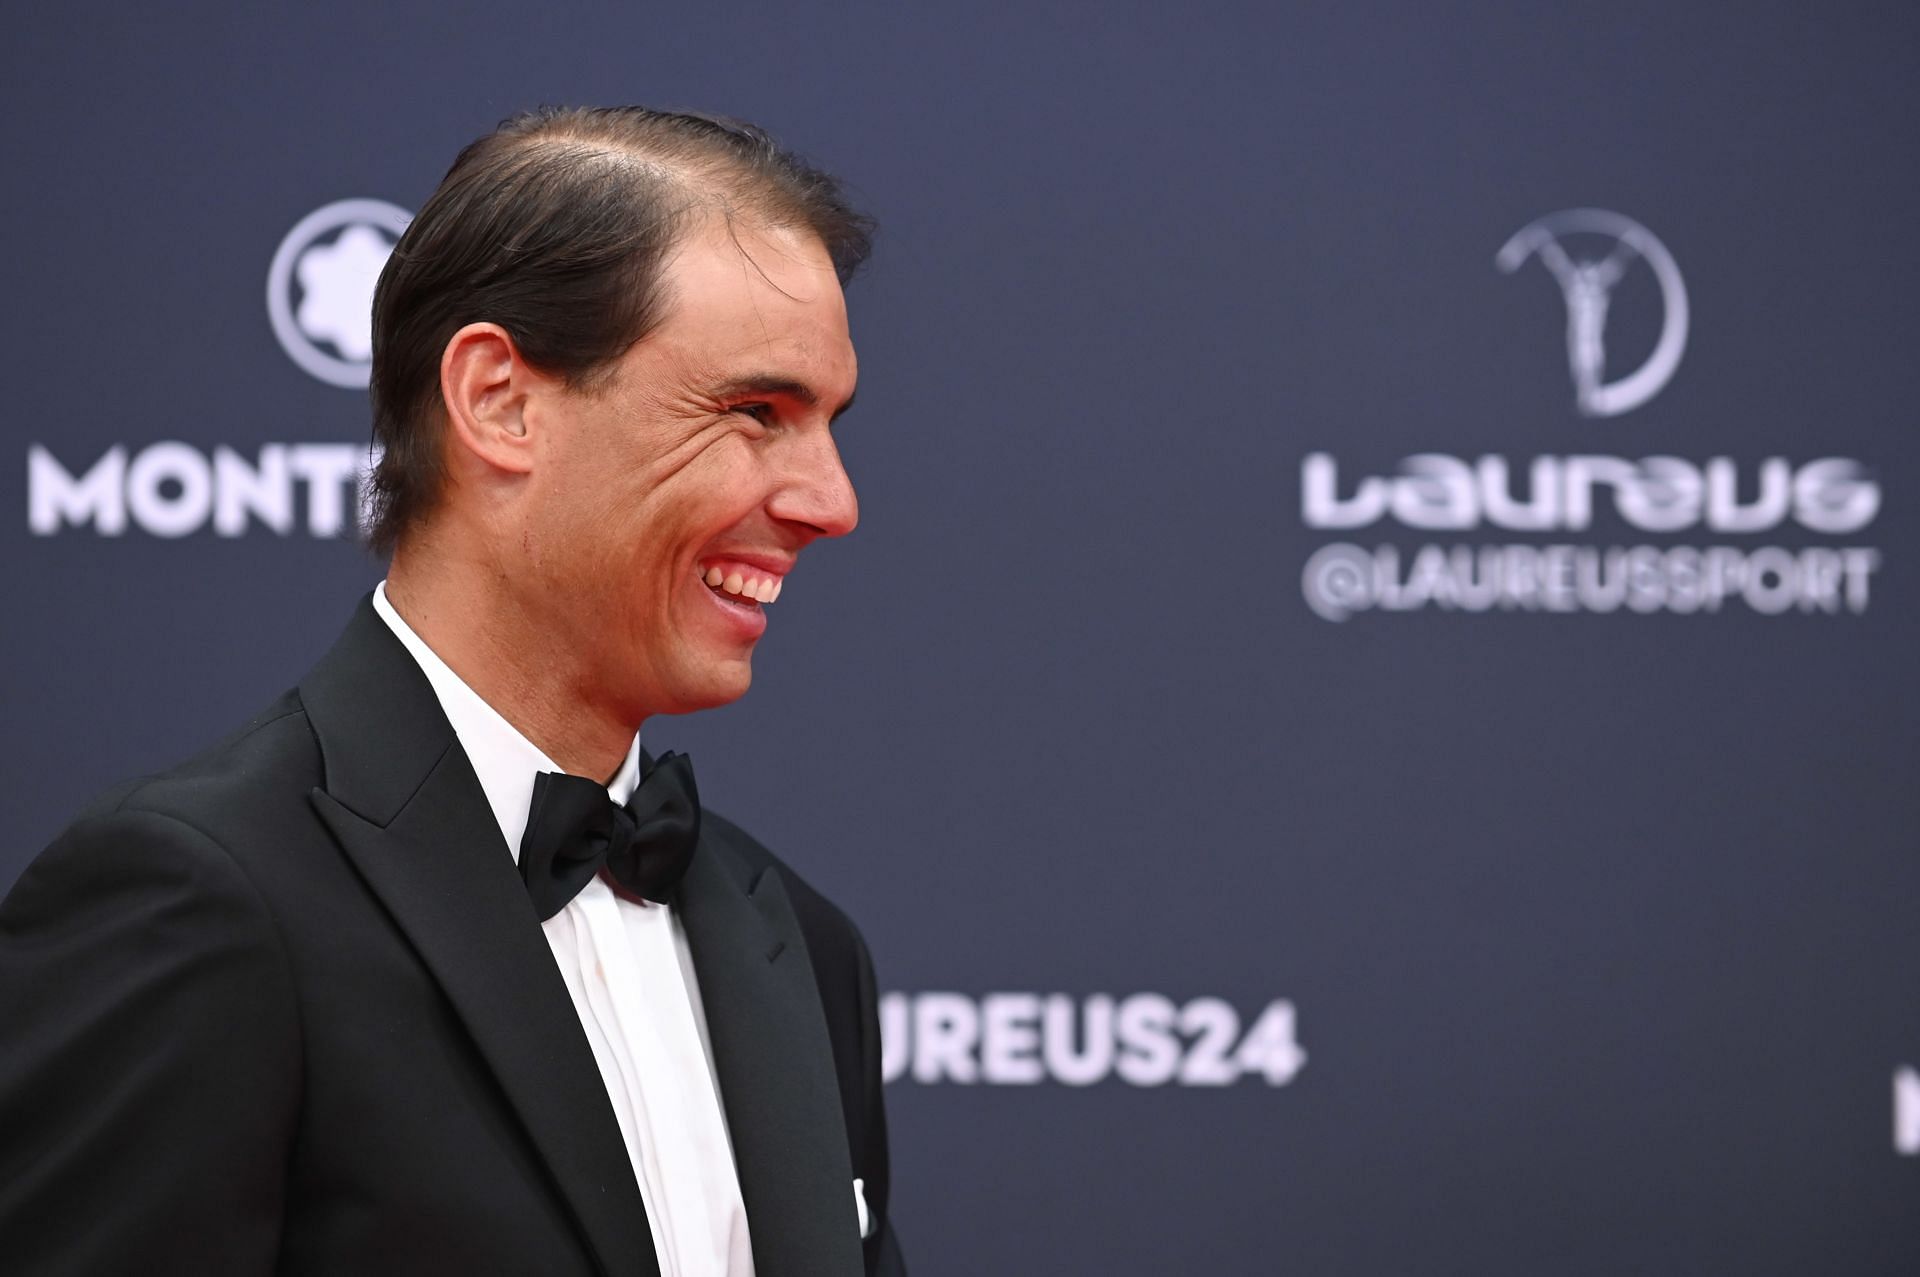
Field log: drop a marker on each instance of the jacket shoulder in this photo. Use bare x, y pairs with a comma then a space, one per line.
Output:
819, 916
244, 782
242, 795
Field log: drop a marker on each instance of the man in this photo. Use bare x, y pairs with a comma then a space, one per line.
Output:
429, 969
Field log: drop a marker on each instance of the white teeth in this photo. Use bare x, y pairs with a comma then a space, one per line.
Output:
777, 587
738, 583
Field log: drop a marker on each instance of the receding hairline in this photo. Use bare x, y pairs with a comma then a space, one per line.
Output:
707, 176
721, 191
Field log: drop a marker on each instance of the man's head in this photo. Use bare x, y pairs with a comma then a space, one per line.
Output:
606, 356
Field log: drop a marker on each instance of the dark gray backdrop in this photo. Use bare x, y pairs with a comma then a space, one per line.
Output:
1599, 927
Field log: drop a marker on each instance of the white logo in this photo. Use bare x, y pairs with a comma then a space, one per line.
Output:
1906, 1112
320, 286
1588, 286
1024, 1039
1588, 531
1834, 495
172, 489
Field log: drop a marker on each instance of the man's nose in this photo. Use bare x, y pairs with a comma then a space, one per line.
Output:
816, 491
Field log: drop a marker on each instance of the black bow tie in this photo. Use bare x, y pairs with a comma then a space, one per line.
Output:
573, 829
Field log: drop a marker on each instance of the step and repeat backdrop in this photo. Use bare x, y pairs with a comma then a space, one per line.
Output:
1370, 720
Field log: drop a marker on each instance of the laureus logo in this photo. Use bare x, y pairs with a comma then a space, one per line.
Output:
1587, 284
320, 287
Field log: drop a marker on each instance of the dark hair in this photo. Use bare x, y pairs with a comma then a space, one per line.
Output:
554, 226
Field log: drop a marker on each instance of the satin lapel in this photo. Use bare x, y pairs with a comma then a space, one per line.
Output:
775, 1066
405, 806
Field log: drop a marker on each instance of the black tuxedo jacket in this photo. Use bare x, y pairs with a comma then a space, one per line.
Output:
288, 1009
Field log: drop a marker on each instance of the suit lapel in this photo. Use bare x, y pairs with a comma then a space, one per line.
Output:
775, 1066
404, 804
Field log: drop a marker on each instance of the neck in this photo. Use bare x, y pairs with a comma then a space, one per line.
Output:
463, 608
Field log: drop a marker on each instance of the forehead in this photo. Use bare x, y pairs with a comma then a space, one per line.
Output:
743, 295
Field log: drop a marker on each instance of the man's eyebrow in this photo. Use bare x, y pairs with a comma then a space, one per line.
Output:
769, 384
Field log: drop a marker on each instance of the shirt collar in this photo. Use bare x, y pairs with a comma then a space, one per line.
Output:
505, 761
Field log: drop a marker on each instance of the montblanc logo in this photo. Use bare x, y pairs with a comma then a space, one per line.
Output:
1587, 284
174, 489
320, 287
320, 302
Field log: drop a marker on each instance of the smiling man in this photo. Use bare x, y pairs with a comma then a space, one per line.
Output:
429, 969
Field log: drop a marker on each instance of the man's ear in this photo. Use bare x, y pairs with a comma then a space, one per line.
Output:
485, 385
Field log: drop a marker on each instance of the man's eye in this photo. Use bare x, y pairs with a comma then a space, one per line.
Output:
760, 412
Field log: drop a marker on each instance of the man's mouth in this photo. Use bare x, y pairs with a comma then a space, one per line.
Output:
742, 584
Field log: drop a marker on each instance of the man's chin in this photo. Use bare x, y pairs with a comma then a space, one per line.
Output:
720, 684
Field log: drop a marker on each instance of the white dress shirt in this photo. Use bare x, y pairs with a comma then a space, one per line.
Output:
630, 973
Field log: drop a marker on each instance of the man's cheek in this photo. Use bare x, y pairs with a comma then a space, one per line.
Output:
686, 515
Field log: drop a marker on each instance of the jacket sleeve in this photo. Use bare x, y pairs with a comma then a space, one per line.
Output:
150, 1072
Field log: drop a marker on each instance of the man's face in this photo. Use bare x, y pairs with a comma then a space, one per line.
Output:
668, 503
